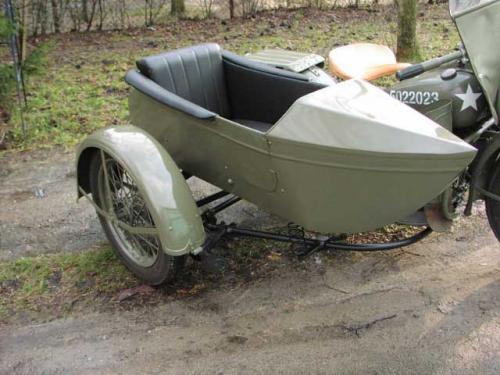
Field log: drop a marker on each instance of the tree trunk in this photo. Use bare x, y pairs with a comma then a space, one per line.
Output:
24, 30
85, 11
231, 8
146, 6
122, 8
102, 14
407, 48
90, 17
177, 7
41, 17
56, 16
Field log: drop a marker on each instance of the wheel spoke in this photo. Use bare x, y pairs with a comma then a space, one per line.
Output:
153, 247
128, 206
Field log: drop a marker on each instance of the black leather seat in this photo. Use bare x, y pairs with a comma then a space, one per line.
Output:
193, 73
205, 81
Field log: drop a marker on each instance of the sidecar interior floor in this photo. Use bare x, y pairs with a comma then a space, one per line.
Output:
363, 60
257, 125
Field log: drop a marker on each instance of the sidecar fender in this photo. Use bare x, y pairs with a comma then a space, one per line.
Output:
158, 178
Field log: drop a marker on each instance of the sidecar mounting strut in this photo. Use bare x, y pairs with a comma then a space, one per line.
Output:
217, 231
313, 245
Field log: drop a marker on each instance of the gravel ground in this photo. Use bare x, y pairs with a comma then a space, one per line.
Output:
433, 308
40, 213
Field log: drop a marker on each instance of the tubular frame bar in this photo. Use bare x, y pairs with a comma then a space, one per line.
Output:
211, 212
315, 244
220, 230
211, 198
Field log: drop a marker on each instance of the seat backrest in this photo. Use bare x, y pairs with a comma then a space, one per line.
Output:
193, 73
262, 93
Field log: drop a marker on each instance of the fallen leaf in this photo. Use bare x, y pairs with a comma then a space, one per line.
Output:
141, 289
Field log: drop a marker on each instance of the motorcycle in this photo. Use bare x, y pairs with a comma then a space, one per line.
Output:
331, 157
456, 91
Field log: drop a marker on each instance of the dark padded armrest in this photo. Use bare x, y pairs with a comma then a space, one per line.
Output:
261, 67
155, 91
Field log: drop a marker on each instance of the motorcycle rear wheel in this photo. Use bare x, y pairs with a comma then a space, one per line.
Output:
493, 205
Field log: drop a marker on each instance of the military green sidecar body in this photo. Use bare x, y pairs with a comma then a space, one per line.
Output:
341, 158
345, 158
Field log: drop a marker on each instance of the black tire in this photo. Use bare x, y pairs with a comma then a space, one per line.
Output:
493, 205
165, 267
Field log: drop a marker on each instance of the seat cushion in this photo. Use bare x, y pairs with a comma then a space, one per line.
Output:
363, 60
193, 73
257, 125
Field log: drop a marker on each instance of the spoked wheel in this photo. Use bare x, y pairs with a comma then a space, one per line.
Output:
493, 205
129, 226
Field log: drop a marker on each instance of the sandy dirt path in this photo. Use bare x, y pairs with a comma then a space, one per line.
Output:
433, 308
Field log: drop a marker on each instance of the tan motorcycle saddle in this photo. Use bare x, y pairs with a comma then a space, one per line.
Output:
363, 60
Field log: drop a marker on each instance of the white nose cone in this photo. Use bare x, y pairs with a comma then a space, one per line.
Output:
356, 115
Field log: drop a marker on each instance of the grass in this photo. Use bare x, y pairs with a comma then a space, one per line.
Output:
82, 88
54, 284
68, 103
57, 285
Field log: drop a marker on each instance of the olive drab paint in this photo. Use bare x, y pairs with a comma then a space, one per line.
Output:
339, 160
478, 26
440, 94
346, 158
159, 180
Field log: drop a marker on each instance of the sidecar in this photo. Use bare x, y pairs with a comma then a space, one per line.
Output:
331, 158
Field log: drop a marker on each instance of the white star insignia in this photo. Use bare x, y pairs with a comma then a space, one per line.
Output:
469, 99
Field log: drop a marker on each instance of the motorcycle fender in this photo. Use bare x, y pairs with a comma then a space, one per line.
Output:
158, 178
